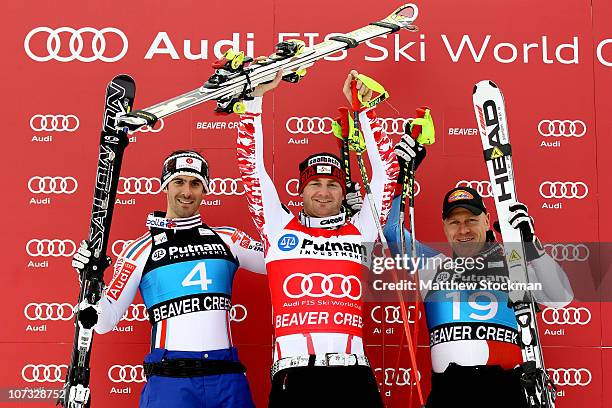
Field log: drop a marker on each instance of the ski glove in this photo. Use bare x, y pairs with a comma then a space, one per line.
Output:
520, 220
406, 151
353, 199
81, 257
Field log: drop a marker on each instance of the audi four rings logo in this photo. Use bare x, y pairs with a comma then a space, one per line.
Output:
119, 245
568, 252
52, 185
147, 129
136, 312
55, 45
54, 123
238, 313
138, 185
44, 372
392, 314
566, 128
226, 186
318, 285
482, 187
50, 247
567, 315
49, 311
323, 125
401, 378
570, 376
564, 189
126, 373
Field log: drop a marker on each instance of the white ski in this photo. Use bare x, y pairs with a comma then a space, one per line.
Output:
243, 81
491, 117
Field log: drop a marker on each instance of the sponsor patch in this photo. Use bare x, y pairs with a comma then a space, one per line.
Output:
324, 169
158, 254
119, 281
204, 231
460, 195
189, 163
236, 236
160, 238
288, 242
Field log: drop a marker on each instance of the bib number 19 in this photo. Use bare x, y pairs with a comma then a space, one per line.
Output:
489, 307
199, 271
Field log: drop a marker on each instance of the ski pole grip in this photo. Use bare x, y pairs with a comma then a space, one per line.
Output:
355, 102
417, 129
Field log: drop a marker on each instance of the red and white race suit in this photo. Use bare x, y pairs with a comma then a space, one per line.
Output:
315, 274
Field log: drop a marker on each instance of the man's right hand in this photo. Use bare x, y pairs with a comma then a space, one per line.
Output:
407, 151
261, 89
82, 257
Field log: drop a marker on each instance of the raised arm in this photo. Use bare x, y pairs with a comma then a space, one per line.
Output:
248, 251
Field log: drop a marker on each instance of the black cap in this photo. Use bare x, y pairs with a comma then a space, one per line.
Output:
465, 197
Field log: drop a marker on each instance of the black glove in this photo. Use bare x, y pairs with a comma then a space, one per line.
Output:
407, 151
520, 220
353, 198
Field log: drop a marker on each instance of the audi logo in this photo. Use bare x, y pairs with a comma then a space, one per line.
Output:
402, 377
566, 128
568, 252
291, 186
392, 314
48, 311
334, 285
482, 187
75, 44
136, 313
50, 247
238, 313
44, 372
119, 245
564, 189
126, 373
567, 315
323, 125
570, 376
138, 185
155, 129
52, 185
306, 125
54, 123
226, 186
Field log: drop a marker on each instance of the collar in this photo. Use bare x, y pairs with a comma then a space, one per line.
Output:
158, 219
333, 221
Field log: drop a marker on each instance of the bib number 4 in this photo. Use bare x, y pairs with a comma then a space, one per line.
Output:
197, 276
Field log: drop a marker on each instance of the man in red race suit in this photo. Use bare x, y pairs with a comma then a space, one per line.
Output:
314, 263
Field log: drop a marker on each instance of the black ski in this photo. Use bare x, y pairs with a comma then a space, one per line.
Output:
119, 101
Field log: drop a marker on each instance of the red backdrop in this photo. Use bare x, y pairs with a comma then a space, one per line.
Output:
552, 59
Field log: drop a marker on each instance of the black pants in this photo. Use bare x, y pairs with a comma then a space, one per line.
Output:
325, 387
477, 387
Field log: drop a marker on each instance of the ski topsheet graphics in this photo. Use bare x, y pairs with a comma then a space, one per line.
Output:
119, 101
491, 117
237, 78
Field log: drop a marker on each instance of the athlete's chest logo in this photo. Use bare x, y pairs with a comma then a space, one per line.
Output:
288, 242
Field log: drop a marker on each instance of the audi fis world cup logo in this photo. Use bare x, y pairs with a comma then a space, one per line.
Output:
401, 377
52, 185
317, 285
568, 252
139, 185
305, 125
54, 123
126, 373
482, 187
50, 247
391, 314
65, 44
562, 128
43, 373
580, 316
571, 377
564, 189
